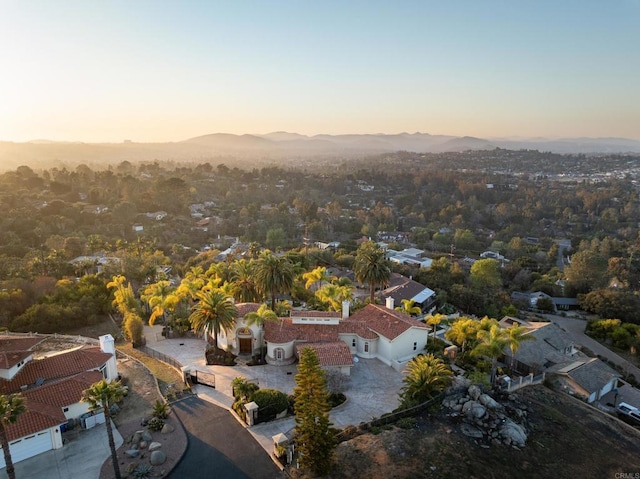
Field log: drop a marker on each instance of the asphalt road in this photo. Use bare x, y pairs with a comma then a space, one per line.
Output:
219, 446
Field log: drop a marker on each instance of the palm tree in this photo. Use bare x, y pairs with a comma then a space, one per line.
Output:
101, 396
258, 318
424, 377
214, 312
124, 298
372, 267
192, 282
273, 275
334, 295
462, 331
242, 275
316, 277
161, 298
11, 407
515, 336
434, 321
409, 308
491, 345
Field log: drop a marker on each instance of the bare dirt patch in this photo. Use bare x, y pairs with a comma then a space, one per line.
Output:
567, 439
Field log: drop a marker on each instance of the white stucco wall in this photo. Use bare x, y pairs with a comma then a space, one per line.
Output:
76, 410
8, 374
402, 347
288, 349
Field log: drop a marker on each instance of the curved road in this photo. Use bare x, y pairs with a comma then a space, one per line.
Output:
218, 445
575, 327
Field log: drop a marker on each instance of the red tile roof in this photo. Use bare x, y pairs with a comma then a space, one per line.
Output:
64, 392
11, 343
284, 331
37, 417
315, 314
246, 308
329, 354
10, 359
56, 367
386, 322
359, 327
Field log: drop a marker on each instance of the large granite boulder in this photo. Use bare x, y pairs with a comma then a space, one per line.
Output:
513, 434
154, 445
157, 458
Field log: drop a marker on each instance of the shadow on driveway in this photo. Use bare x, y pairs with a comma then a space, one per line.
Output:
218, 445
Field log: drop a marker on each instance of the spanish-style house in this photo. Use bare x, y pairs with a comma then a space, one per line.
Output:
375, 331
52, 387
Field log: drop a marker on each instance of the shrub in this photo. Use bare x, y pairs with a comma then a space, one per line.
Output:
160, 410
270, 402
406, 422
335, 399
155, 424
243, 389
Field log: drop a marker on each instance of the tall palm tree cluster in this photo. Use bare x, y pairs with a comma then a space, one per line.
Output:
485, 338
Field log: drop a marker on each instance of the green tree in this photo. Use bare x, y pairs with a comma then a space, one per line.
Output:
214, 312
371, 267
462, 331
273, 275
314, 438
161, 298
258, 318
11, 407
316, 277
425, 376
242, 275
485, 274
409, 308
100, 397
334, 295
491, 345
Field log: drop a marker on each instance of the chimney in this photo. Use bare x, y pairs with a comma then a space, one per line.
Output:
107, 344
345, 309
389, 300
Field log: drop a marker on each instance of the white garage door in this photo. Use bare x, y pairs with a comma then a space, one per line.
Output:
28, 446
607, 388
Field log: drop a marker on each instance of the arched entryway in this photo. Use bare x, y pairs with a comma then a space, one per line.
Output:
245, 341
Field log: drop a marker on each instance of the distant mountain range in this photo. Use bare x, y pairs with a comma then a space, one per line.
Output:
283, 145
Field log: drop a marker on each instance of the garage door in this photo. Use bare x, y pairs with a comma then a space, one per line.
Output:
28, 446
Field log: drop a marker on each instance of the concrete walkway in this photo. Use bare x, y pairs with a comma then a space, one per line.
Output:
575, 327
80, 457
371, 390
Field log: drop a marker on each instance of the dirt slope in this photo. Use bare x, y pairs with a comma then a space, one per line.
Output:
566, 440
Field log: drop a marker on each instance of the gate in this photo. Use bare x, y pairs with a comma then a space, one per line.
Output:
206, 379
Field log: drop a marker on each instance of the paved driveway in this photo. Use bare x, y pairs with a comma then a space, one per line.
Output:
219, 446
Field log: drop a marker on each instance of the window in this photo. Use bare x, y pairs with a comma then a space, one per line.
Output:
366, 347
279, 353
103, 370
415, 346
353, 343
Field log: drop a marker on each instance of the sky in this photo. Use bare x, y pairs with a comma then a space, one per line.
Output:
147, 71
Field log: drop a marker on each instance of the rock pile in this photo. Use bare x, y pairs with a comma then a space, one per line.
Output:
486, 420
139, 443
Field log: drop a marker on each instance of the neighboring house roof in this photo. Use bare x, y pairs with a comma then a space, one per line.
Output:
9, 343
64, 392
591, 375
329, 354
38, 416
56, 367
386, 322
552, 347
10, 359
246, 308
400, 287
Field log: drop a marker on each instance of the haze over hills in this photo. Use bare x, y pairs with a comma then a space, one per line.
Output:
284, 145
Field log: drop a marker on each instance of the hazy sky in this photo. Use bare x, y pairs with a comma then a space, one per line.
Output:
161, 70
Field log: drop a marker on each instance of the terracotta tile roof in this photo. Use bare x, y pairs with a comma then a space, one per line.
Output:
56, 367
10, 359
355, 326
37, 417
329, 354
284, 331
246, 308
386, 322
64, 392
315, 314
12, 343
